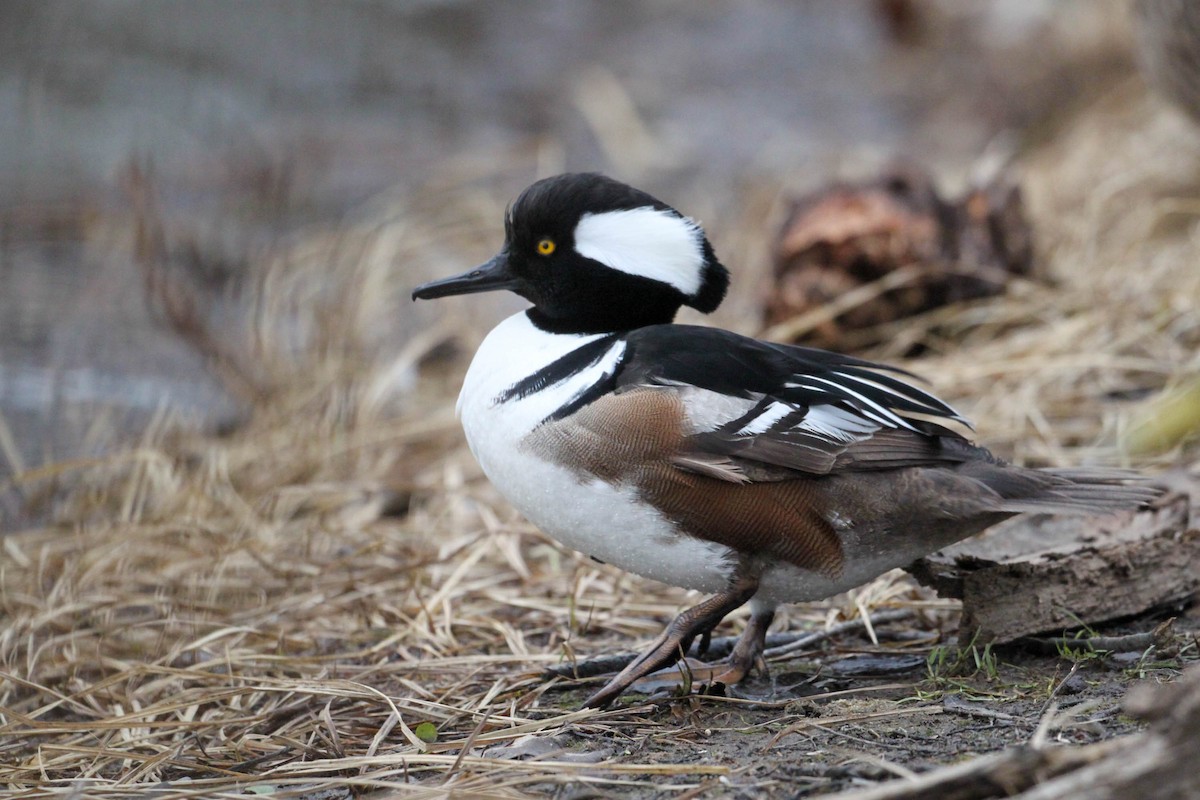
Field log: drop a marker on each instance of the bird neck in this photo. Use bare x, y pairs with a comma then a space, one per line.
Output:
602, 320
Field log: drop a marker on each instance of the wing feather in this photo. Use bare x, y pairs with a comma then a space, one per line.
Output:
767, 412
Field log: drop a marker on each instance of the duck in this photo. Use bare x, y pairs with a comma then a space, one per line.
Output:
750, 471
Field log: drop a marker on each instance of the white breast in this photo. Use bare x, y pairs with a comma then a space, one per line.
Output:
599, 519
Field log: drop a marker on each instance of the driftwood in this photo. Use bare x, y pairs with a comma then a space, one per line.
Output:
1039, 574
1157, 764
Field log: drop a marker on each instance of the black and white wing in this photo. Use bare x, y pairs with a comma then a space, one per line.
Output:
765, 411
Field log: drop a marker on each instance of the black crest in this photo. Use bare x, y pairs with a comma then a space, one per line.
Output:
556, 204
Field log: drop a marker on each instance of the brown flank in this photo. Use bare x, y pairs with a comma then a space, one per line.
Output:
637, 438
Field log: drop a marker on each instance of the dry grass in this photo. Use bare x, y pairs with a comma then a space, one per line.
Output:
264, 611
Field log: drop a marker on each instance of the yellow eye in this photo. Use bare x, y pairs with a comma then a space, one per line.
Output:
546, 246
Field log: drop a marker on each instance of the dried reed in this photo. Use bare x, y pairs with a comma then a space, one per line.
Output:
331, 598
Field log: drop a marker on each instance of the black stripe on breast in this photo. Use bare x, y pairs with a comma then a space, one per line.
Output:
607, 383
561, 369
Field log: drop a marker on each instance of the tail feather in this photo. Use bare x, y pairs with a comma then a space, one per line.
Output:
1089, 490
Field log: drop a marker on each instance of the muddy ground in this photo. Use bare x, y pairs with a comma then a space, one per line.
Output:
856, 713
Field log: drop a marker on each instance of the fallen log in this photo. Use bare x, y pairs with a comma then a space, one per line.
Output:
1039, 574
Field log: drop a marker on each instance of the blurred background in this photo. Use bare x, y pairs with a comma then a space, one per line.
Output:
155, 155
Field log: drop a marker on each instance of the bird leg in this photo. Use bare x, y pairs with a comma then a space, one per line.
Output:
748, 652
670, 646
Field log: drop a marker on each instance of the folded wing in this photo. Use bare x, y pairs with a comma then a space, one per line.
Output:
767, 412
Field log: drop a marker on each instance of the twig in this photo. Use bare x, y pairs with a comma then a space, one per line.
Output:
790, 329
954, 704
778, 645
1046, 724
467, 745
821, 722
1051, 704
1128, 643
806, 640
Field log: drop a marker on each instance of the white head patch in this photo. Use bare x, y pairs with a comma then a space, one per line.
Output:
647, 242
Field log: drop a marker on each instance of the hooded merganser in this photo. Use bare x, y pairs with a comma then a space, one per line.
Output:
752, 471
